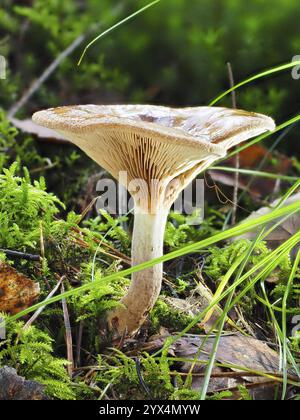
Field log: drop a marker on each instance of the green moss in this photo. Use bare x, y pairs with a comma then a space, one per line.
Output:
121, 371
221, 259
91, 307
181, 230
164, 315
25, 207
109, 229
30, 352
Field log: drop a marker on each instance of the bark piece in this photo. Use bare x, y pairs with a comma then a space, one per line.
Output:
15, 387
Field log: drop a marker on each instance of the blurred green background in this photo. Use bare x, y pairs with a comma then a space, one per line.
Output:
174, 53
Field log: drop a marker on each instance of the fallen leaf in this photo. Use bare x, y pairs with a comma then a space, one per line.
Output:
28, 126
233, 349
239, 353
17, 291
14, 387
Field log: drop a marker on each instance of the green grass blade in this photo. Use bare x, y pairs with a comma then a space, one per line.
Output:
260, 174
223, 318
270, 262
121, 22
265, 73
284, 323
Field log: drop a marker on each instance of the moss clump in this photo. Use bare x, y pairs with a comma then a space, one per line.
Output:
24, 208
163, 315
142, 378
30, 352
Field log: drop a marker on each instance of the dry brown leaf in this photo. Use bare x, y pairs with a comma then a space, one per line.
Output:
235, 349
240, 353
17, 291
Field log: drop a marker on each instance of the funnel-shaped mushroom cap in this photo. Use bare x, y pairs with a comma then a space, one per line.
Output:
154, 142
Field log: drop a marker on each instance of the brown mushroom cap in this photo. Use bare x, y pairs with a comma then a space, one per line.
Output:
193, 125
154, 142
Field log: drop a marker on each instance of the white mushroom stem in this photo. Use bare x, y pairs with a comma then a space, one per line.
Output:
147, 243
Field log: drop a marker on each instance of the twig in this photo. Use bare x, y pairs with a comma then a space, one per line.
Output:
273, 375
117, 253
23, 255
87, 209
53, 66
40, 310
141, 379
49, 165
248, 386
69, 340
42, 244
237, 156
45, 75
78, 344
245, 374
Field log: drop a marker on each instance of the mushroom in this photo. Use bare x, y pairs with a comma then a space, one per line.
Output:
161, 150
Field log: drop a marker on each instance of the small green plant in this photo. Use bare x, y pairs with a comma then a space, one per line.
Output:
91, 308
16, 147
24, 207
142, 378
181, 231
109, 228
220, 261
30, 352
163, 315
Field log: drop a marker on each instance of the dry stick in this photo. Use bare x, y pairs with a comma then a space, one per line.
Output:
117, 253
78, 345
40, 310
69, 340
53, 66
237, 156
244, 374
87, 209
248, 386
45, 75
49, 165
82, 243
23, 255
42, 244
275, 375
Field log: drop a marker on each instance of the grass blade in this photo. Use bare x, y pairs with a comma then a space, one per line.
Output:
265, 73
255, 173
284, 334
143, 9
